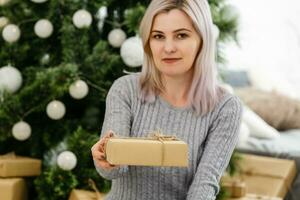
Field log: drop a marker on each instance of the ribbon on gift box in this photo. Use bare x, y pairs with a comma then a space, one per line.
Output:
8, 155
253, 172
162, 138
237, 187
94, 187
261, 197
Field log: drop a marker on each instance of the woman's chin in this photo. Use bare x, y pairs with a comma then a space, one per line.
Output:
172, 74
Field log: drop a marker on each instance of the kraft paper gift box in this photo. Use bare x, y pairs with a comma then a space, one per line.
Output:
267, 176
256, 197
13, 189
158, 150
85, 194
17, 166
236, 188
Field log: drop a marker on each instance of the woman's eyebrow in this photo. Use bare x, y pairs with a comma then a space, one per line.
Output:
181, 29
156, 31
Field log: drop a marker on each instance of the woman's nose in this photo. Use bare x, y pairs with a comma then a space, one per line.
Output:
169, 46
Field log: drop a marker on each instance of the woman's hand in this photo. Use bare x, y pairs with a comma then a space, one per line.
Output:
98, 152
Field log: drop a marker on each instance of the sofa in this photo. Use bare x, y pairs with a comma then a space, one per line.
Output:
271, 118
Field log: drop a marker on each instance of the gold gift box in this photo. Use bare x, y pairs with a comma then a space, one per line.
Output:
13, 189
276, 174
85, 195
17, 166
158, 150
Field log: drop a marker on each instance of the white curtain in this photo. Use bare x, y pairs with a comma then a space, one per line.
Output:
269, 37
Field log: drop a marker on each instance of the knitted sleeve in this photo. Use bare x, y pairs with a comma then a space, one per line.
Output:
218, 148
118, 119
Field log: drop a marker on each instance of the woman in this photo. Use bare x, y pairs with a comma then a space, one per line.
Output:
177, 93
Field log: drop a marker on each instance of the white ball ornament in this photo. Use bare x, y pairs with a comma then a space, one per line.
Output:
56, 110
132, 52
82, 18
10, 79
3, 2
38, 1
11, 33
21, 131
3, 22
116, 37
67, 160
79, 89
43, 28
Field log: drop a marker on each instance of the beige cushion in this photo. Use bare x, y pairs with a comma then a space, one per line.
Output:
281, 112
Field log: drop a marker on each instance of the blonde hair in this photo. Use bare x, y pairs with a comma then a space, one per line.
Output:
204, 92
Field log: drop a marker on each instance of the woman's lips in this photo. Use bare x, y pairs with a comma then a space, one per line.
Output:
171, 60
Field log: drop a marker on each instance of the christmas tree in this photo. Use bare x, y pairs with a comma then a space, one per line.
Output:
58, 60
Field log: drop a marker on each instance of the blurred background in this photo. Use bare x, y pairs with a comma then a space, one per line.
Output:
58, 60
269, 38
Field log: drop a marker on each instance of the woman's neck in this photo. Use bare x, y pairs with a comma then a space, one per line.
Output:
176, 89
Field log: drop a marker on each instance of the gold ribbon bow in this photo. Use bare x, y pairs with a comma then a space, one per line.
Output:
162, 138
253, 172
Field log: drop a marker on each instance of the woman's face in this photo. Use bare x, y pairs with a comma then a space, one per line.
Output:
174, 43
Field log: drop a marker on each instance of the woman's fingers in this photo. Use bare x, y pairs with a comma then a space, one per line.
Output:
100, 160
98, 152
103, 140
101, 148
104, 164
97, 155
101, 143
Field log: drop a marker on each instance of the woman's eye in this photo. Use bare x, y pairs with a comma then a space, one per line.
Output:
157, 36
182, 35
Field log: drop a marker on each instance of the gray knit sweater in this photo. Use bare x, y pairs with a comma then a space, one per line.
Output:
211, 139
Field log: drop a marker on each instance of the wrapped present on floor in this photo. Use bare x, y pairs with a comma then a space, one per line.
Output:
157, 150
256, 197
235, 187
18, 166
86, 195
267, 176
13, 189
